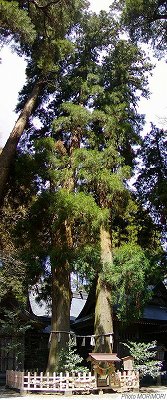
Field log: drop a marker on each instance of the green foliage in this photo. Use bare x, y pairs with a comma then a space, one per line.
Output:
13, 328
43, 25
74, 116
11, 323
101, 167
128, 276
58, 49
146, 21
152, 178
16, 23
131, 223
69, 360
13, 277
76, 207
145, 358
87, 260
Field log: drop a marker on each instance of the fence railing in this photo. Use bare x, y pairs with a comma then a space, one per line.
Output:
126, 380
53, 383
120, 380
15, 379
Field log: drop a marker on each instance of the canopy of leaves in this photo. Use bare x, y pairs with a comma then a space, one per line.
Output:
147, 21
31, 22
15, 23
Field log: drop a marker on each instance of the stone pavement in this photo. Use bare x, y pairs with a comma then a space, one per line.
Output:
151, 393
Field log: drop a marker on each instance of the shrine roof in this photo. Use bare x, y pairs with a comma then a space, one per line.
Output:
155, 312
103, 357
43, 309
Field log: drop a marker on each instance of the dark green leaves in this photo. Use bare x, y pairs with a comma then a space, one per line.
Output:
152, 179
146, 20
128, 276
16, 23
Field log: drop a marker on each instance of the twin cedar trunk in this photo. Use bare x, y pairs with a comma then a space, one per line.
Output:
61, 299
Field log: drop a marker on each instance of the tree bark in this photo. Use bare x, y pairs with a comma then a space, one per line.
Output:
103, 307
61, 300
8, 153
106, 245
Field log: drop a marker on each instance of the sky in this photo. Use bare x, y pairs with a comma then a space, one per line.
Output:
12, 78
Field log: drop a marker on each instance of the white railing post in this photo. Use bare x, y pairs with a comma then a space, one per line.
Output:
47, 380
67, 380
61, 380
28, 381
41, 380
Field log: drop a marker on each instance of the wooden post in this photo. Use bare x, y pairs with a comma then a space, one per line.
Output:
22, 388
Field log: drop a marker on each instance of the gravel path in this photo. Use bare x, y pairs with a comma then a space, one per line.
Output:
151, 393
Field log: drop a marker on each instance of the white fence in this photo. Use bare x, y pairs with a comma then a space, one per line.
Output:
121, 381
50, 383
125, 380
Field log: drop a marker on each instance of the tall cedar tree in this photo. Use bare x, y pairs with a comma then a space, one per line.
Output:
65, 215
94, 148
82, 164
105, 164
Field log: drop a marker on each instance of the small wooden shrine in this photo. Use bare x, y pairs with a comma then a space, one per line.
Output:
104, 367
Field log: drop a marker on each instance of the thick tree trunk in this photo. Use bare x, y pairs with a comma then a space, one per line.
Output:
8, 153
61, 290
60, 324
61, 295
103, 308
